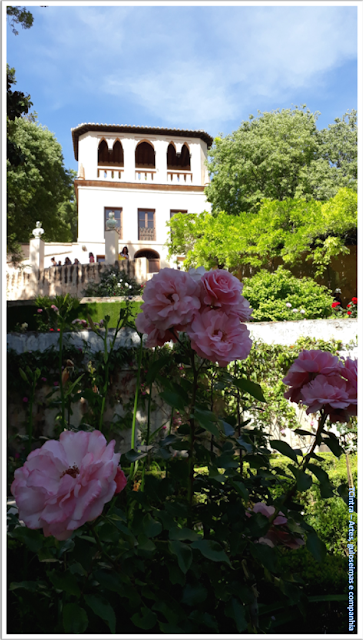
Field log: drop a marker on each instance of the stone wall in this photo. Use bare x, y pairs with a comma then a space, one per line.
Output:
124, 381
72, 279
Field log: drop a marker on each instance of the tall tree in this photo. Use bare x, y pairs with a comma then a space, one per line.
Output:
40, 188
18, 104
279, 155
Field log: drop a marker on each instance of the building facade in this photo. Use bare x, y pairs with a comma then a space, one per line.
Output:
144, 176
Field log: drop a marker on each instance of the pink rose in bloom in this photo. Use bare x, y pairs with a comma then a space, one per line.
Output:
155, 337
66, 483
222, 290
275, 535
218, 337
306, 367
39, 310
332, 393
54, 308
171, 299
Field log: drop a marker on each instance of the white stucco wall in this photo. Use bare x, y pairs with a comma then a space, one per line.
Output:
91, 203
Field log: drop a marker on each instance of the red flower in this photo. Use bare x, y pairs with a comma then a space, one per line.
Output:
349, 313
58, 329
349, 305
51, 329
335, 304
355, 300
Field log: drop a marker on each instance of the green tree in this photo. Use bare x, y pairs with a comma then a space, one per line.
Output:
18, 104
19, 15
281, 155
289, 229
40, 188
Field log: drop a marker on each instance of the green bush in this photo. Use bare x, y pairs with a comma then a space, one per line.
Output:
113, 282
270, 293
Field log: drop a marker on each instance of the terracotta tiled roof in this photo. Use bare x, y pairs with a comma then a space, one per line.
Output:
129, 128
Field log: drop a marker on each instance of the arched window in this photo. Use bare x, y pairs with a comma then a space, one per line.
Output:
144, 156
178, 161
111, 158
117, 154
103, 153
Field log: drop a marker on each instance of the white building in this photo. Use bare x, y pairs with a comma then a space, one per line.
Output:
144, 175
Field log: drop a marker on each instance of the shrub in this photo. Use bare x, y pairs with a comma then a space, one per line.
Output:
282, 296
113, 282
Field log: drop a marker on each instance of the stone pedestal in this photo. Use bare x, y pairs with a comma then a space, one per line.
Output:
36, 254
111, 246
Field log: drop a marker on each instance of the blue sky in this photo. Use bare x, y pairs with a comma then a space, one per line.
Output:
184, 66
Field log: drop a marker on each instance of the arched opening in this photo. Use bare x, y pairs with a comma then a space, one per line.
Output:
144, 156
152, 256
103, 153
117, 155
114, 158
178, 161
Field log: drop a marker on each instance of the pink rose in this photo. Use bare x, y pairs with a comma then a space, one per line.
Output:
332, 393
39, 310
222, 290
306, 367
120, 479
276, 535
171, 299
66, 483
155, 337
219, 338
54, 308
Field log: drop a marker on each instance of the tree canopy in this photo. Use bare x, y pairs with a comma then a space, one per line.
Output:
19, 15
286, 229
282, 155
40, 188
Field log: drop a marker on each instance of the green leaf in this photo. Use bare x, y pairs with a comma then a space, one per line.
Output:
110, 581
175, 398
252, 388
226, 461
284, 448
133, 455
333, 443
33, 539
183, 553
65, 582
145, 544
227, 428
322, 476
23, 375
265, 555
206, 419
235, 610
316, 547
245, 445
146, 620
211, 550
240, 487
75, 619
155, 368
303, 432
303, 480
29, 585
330, 598
103, 609
182, 534
194, 594
152, 527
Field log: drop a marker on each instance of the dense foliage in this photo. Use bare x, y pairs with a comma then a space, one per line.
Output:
281, 296
291, 230
40, 188
282, 155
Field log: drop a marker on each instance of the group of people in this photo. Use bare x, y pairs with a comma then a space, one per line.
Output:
67, 262
124, 255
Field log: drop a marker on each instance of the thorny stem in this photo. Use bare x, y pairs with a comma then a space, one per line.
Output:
107, 355
133, 429
61, 374
303, 464
239, 423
